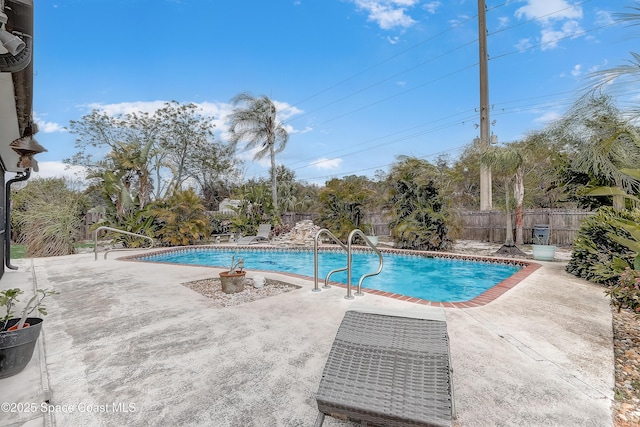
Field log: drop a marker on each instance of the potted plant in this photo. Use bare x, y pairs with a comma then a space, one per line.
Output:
232, 281
18, 336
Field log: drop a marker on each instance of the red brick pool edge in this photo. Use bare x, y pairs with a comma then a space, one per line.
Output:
484, 298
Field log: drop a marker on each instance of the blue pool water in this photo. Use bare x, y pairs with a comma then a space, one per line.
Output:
434, 279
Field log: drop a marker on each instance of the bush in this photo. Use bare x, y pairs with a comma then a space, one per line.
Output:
596, 257
419, 216
625, 293
47, 217
220, 222
182, 218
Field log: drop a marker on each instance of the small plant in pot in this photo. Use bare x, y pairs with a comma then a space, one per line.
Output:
18, 336
232, 281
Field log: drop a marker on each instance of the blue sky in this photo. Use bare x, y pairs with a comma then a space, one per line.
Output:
357, 82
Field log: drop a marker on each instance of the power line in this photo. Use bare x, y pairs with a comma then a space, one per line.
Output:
463, 119
511, 110
379, 82
554, 41
389, 59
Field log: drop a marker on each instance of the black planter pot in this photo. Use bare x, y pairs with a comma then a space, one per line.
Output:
16, 347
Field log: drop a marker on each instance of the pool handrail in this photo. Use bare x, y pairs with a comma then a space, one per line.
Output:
128, 233
315, 259
349, 262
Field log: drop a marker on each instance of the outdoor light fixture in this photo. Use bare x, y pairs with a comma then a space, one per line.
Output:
11, 42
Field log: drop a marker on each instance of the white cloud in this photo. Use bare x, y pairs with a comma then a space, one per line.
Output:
432, 7
550, 37
128, 107
388, 14
559, 19
548, 117
604, 18
577, 70
59, 170
291, 130
285, 110
548, 10
524, 44
217, 111
47, 127
325, 164
393, 40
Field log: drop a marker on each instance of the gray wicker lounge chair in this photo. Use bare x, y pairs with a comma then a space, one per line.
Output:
262, 236
388, 371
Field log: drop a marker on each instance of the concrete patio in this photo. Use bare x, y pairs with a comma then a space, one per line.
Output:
126, 344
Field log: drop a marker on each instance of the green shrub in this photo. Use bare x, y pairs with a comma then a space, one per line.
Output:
138, 222
220, 222
596, 256
182, 218
625, 293
47, 216
419, 216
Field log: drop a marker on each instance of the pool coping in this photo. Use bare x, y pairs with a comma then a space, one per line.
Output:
484, 298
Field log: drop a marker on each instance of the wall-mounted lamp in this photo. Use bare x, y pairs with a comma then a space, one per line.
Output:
11, 42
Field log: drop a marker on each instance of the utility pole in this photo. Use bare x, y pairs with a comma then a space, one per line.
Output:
485, 172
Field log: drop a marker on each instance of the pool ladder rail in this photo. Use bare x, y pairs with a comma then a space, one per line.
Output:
116, 230
348, 249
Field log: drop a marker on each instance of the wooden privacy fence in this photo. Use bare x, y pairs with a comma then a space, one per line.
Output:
489, 226
484, 226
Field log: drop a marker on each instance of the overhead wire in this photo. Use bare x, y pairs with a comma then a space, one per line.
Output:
416, 134
376, 65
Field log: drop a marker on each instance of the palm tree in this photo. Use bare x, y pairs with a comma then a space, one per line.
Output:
603, 145
507, 163
630, 71
255, 121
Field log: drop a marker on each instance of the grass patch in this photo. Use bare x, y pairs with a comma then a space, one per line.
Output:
18, 251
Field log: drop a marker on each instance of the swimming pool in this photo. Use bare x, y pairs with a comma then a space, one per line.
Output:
438, 279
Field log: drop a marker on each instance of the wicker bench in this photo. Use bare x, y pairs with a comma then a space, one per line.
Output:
388, 371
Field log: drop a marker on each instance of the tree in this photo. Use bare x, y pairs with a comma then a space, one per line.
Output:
343, 204
131, 143
217, 174
256, 208
254, 121
506, 163
601, 144
185, 136
629, 72
419, 214
155, 153
464, 176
